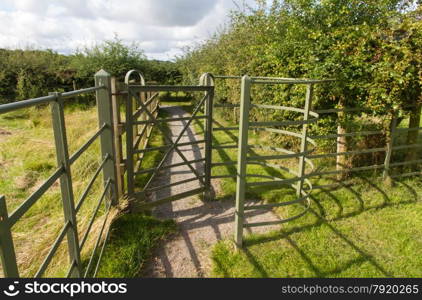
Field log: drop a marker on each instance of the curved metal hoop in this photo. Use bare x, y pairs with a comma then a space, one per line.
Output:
203, 79
140, 75
300, 180
304, 196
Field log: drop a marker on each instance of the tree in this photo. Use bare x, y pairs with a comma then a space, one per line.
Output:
112, 55
355, 42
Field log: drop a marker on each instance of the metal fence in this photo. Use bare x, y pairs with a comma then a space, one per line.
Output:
71, 208
388, 150
126, 111
122, 161
307, 173
132, 121
299, 180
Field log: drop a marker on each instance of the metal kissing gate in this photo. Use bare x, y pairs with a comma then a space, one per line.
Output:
120, 165
300, 181
141, 96
70, 231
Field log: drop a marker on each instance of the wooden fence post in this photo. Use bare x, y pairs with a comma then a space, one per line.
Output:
390, 144
245, 98
304, 144
7, 250
413, 135
62, 154
105, 117
342, 161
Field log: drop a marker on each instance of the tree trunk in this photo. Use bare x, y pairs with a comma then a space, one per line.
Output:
342, 162
412, 136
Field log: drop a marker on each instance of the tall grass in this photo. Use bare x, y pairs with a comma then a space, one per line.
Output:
27, 158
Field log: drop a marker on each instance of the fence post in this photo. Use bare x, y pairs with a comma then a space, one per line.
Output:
342, 161
117, 138
129, 144
390, 144
62, 153
245, 98
207, 80
105, 116
7, 250
303, 144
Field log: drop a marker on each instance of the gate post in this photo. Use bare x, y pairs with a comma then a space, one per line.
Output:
207, 80
105, 117
303, 144
129, 144
117, 125
245, 98
7, 250
391, 135
62, 153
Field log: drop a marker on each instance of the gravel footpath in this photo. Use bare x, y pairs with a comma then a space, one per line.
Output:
201, 224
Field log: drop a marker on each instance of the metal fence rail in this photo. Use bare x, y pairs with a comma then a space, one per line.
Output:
304, 155
244, 158
389, 149
63, 173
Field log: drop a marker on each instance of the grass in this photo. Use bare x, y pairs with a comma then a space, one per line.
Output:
132, 239
360, 229
27, 158
134, 236
356, 232
152, 158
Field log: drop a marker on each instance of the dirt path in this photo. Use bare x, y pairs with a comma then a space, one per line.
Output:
200, 224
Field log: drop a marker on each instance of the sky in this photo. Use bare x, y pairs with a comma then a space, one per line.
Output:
160, 27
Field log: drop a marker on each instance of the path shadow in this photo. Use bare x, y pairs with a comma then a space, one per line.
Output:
166, 176
319, 213
216, 217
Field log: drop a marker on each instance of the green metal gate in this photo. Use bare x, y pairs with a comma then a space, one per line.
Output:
139, 99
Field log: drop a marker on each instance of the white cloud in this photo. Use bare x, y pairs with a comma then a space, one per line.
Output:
162, 27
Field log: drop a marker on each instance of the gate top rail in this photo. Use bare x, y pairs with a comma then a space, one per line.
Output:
170, 88
4, 108
275, 80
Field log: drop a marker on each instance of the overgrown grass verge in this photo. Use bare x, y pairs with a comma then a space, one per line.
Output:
27, 159
133, 238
